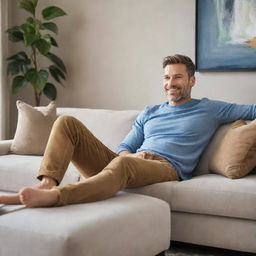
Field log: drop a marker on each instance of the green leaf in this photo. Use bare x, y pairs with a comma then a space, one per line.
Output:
42, 79
34, 22
28, 5
59, 72
31, 75
18, 56
29, 39
56, 60
43, 46
50, 26
15, 34
28, 28
56, 73
18, 83
19, 63
34, 2
50, 91
37, 79
24, 68
47, 38
13, 68
52, 12
30, 20
53, 42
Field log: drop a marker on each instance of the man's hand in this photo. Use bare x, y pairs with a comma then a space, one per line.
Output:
142, 155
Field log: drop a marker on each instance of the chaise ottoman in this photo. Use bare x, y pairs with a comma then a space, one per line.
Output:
126, 224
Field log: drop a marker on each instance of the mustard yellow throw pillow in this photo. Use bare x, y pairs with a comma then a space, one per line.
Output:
235, 156
33, 128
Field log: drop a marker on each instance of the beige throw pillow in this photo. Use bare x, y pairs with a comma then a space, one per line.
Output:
33, 128
235, 156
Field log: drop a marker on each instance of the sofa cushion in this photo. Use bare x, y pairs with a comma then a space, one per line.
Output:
235, 156
203, 164
33, 128
216, 195
125, 224
162, 190
109, 126
19, 171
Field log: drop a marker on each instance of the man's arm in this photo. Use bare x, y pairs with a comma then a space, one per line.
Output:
135, 137
228, 112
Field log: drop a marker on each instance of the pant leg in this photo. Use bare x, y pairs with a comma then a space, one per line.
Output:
69, 141
121, 172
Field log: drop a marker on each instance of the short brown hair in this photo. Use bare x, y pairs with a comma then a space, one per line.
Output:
180, 59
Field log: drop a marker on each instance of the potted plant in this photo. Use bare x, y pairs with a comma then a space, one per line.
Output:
36, 35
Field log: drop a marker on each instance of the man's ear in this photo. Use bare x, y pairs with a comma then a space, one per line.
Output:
192, 81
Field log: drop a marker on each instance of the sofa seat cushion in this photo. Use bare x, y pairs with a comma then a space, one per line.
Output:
216, 195
19, 171
126, 224
162, 190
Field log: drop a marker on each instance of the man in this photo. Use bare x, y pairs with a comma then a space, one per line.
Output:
164, 144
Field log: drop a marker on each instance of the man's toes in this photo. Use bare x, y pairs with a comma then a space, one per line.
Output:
22, 200
25, 196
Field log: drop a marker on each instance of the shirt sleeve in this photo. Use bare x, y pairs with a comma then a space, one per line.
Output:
135, 137
229, 112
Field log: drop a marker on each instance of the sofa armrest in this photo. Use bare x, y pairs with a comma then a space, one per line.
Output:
5, 146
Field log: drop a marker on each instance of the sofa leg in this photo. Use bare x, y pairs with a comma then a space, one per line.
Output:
161, 254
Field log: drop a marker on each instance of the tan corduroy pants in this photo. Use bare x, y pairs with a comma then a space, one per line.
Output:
105, 172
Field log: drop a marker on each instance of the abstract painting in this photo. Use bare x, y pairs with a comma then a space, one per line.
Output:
225, 35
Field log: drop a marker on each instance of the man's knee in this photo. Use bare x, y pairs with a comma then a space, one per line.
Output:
121, 161
121, 166
66, 122
119, 169
64, 119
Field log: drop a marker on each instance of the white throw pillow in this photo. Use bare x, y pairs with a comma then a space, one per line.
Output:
33, 128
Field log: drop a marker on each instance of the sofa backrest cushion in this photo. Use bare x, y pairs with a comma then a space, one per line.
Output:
109, 126
235, 156
203, 165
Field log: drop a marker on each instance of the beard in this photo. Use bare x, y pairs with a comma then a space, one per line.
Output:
182, 94
177, 99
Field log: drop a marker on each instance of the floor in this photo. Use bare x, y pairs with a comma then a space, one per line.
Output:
183, 249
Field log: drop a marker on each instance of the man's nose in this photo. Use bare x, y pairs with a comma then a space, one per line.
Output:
169, 83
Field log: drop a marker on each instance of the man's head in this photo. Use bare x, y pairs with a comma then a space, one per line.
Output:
181, 59
179, 78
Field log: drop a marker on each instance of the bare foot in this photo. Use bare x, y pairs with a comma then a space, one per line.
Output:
10, 199
46, 183
35, 197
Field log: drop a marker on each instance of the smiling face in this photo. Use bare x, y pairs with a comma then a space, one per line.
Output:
177, 84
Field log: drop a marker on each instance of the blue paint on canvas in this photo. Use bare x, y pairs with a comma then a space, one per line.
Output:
226, 35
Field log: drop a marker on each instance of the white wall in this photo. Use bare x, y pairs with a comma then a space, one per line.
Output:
113, 50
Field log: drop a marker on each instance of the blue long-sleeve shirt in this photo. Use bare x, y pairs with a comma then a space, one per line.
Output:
181, 133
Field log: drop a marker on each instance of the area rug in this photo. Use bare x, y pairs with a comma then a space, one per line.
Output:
183, 249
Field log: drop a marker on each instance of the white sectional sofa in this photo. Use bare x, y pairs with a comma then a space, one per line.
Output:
208, 209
